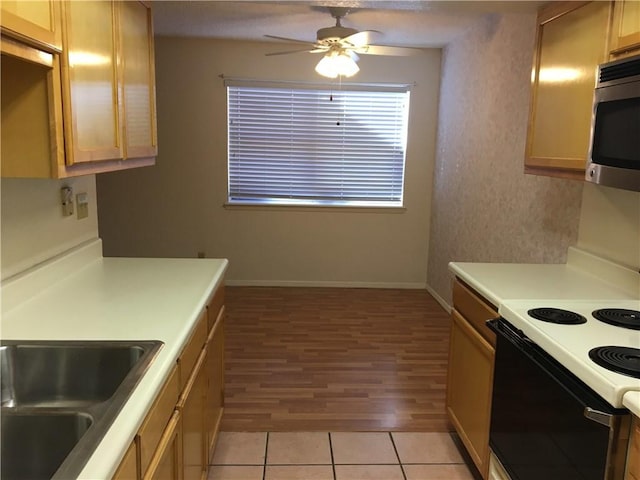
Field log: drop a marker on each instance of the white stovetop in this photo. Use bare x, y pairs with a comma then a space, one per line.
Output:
584, 284
570, 344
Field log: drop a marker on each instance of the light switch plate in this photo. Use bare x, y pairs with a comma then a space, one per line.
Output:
82, 204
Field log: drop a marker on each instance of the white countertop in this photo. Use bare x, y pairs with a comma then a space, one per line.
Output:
86, 297
498, 282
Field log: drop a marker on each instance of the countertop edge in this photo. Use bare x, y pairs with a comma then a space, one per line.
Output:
631, 400
108, 455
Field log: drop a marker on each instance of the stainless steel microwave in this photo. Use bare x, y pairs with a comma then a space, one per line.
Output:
614, 153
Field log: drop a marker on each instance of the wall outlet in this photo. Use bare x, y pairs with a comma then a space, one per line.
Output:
82, 203
66, 197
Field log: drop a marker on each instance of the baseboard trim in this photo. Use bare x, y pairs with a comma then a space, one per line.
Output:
438, 298
330, 284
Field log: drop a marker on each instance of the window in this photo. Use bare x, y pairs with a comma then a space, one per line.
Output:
316, 146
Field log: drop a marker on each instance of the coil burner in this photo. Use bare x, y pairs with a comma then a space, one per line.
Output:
619, 317
624, 360
557, 315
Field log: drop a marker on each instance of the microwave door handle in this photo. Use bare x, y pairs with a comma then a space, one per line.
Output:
597, 416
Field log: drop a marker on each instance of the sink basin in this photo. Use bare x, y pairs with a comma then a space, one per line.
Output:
58, 400
63, 375
44, 440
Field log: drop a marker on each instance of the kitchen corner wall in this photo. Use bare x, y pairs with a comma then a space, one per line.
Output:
484, 208
610, 225
33, 227
176, 208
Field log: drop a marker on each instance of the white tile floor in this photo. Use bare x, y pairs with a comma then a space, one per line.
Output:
337, 456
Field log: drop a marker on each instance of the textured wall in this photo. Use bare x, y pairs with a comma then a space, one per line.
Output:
177, 207
610, 224
484, 208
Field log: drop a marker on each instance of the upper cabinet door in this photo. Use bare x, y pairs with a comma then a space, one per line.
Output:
571, 43
138, 79
90, 82
37, 22
625, 30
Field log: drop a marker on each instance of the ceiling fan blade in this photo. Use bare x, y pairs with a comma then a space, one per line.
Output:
284, 39
386, 50
293, 51
362, 38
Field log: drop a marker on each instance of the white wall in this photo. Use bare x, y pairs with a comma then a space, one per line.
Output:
485, 209
610, 224
33, 227
175, 209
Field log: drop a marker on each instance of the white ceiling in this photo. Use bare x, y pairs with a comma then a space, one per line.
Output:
418, 23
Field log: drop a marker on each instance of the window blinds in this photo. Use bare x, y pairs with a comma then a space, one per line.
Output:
312, 146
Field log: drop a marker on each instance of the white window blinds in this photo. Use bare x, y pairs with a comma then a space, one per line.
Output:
309, 146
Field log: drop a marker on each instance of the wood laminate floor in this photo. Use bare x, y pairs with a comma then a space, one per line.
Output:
332, 359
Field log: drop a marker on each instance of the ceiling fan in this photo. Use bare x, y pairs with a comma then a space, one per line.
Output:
341, 46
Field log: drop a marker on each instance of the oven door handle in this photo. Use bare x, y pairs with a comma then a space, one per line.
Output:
597, 416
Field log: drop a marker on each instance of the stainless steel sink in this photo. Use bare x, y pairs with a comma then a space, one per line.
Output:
58, 399
63, 375
44, 440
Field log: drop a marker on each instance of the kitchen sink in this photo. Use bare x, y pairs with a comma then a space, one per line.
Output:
59, 398
44, 440
63, 375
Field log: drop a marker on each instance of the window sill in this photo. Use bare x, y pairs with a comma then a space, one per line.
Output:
312, 208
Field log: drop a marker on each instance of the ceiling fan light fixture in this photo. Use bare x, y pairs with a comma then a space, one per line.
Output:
337, 63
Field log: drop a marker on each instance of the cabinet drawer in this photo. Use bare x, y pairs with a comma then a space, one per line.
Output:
215, 305
190, 354
475, 309
154, 425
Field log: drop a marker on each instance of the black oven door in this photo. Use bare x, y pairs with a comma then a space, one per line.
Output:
539, 425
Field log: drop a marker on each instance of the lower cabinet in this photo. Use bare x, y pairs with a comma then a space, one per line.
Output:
194, 457
214, 403
470, 375
179, 431
633, 454
128, 469
166, 464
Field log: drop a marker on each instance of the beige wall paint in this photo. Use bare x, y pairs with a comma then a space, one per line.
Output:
484, 208
33, 228
610, 224
175, 209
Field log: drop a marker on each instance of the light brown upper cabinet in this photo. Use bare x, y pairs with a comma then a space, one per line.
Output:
109, 81
97, 95
90, 82
34, 22
572, 40
625, 29
138, 80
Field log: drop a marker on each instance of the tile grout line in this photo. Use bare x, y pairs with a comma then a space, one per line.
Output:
266, 451
333, 465
395, 449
